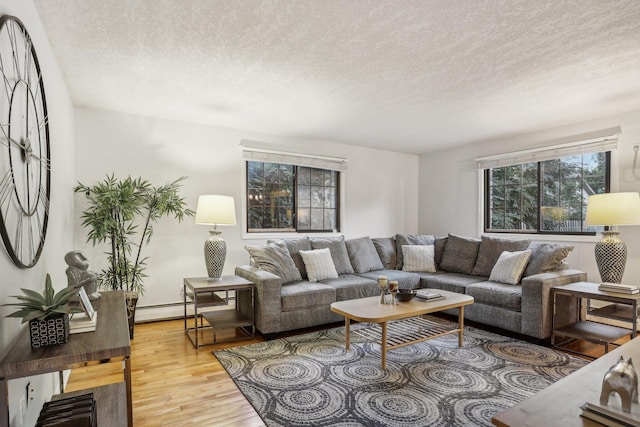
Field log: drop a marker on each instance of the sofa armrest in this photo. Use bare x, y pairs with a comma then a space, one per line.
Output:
268, 302
536, 303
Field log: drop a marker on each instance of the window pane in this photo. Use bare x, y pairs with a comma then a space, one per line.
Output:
564, 185
304, 196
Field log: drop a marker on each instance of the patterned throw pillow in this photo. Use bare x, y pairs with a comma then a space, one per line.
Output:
319, 264
510, 266
419, 258
275, 259
363, 255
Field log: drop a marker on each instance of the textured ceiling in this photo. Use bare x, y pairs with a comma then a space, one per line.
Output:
404, 75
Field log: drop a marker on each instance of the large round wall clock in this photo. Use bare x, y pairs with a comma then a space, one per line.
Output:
25, 157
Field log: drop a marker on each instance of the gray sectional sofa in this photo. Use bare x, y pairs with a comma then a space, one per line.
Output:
285, 299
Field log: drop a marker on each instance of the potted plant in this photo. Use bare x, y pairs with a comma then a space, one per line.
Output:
47, 314
121, 213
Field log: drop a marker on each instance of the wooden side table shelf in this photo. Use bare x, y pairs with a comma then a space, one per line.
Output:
624, 307
107, 344
203, 292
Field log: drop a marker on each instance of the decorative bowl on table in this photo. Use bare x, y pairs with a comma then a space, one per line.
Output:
404, 295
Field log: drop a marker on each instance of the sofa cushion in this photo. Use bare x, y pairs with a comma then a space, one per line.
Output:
275, 258
319, 264
350, 286
546, 257
405, 279
294, 246
339, 253
460, 254
410, 239
490, 250
509, 267
496, 294
386, 248
419, 258
301, 295
363, 255
453, 282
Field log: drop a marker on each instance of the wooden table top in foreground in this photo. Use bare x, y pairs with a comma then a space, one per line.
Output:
370, 310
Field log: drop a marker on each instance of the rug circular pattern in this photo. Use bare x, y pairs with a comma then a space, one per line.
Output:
360, 375
312, 380
329, 352
470, 356
295, 372
521, 380
410, 407
312, 405
522, 352
444, 379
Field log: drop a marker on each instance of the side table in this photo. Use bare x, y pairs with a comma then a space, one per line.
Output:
624, 307
203, 292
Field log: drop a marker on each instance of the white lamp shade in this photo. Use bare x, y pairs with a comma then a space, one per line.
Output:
613, 209
216, 210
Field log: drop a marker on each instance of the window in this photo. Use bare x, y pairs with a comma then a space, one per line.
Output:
548, 196
289, 198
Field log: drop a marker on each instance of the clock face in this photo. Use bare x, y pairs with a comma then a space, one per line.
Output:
25, 163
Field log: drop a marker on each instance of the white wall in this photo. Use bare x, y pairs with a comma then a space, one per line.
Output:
450, 195
60, 232
381, 189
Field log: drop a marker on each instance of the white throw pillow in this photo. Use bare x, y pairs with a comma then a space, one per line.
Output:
319, 264
419, 258
510, 266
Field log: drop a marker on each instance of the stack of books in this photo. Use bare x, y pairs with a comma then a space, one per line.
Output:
78, 411
428, 295
619, 288
81, 322
612, 415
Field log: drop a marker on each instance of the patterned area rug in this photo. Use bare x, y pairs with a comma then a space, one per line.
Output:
311, 380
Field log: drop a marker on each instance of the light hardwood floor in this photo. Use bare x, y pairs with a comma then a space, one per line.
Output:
176, 385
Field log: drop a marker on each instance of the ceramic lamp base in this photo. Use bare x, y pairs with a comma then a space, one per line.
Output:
611, 257
215, 253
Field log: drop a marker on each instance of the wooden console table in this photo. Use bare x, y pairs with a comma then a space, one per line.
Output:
559, 404
108, 343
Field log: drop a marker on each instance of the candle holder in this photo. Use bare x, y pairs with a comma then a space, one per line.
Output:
383, 283
393, 288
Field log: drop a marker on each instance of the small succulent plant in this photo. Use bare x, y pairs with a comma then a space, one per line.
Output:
38, 306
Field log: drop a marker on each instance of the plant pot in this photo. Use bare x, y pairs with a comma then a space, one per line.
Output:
52, 331
132, 301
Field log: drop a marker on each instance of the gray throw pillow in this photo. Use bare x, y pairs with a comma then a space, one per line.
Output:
294, 246
460, 254
546, 257
338, 253
275, 258
490, 250
411, 240
386, 248
363, 255
439, 249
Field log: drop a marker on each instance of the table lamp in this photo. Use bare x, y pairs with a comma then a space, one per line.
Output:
215, 210
612, 209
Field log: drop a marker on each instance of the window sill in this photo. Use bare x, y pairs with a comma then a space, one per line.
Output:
547, 237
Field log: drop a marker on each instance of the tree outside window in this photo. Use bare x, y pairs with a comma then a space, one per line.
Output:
545, 197
289, 198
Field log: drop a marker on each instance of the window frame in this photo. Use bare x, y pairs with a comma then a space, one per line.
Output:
486, 188
274, 233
